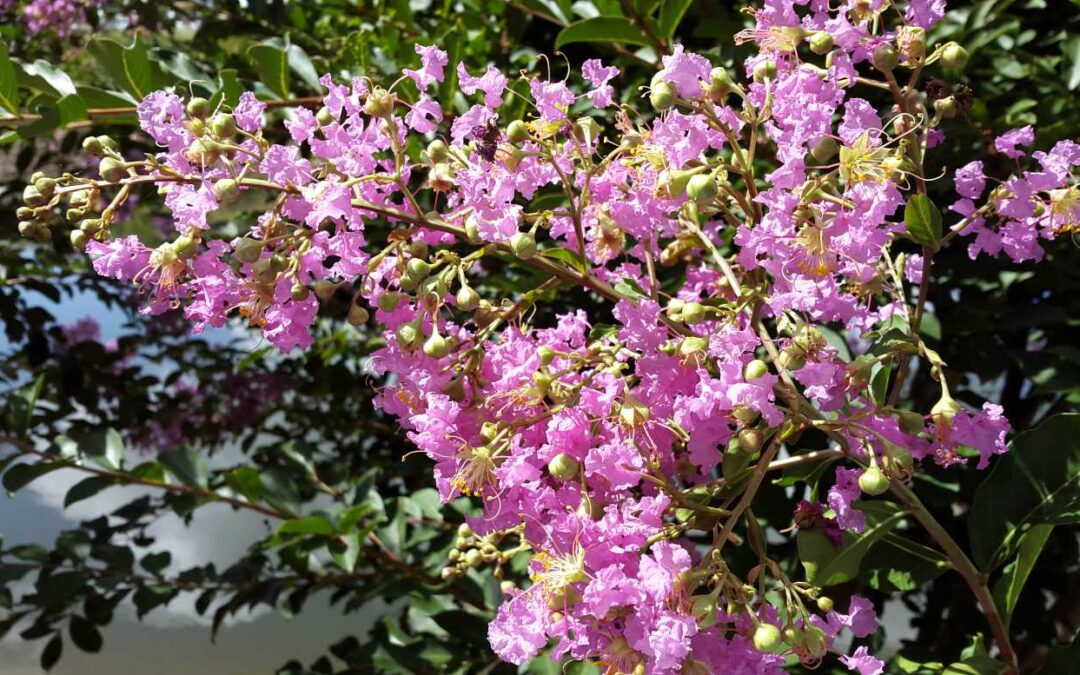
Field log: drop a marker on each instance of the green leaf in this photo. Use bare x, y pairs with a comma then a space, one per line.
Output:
1064, 660
271, 61
601, 29
9, 92
84, 634
827, 566
52, 651
1071, 48
898, 564
567, 256
21, 475
1008, 587
130, 68
154, 563
186, 464
1036, 482
308, 525
346, 551
671, 14
104, 447
44, 77
923, 221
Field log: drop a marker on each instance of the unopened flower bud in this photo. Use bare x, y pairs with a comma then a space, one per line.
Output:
693, 312
873, 481
46, 185
467, 299
755, 369
766, 637
517, 132
223, 125
946, 107
248, 249
185, 247
720, 84
436, 346
199, 108
408, 336
325, 117
227, 190
523, 244
885, 58
825, 149
379, 103
701, 187
750, 440
299, 292
546, 354
111, 169
563, 466
92, 146
954, 57
357, 315
79, 239
792, 359
661, 95
821, 42
825, 603
34, 198
418, 268
911, 422
438, 151
325, 289
91, 226
764, 69
388, 301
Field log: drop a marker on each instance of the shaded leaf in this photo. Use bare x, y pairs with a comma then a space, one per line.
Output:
601, 29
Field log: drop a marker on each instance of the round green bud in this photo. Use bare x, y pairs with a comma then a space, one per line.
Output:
945, 410
517, 132
954, 57
474, 557
693, 312
108, 143
248, 249
436, 346
227, 190
546, 354
766, 637
299, 292
34, 198
792, 359
438, 151
357, 315
764, 70
111, 169
92, 146
418, 268
91, 226
693, 345
885, 58
379, 103
523, 244
472, 231
223, 125
199, 108
755, 369
27, 213
661, 95
701, 187
873, 481
825, 603
720, 84
325, 289
563, 466
324, 116
467, 299
821, 42
911, 422
79, 239
448, 573
825, 149
46, 185
388, 301
407, 336
750, 440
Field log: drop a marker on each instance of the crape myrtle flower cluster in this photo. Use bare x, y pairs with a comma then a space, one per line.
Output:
62, 16
622, 456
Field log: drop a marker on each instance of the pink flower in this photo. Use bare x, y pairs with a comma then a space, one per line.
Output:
686, 72
1007, 142
841, 498
552, 99
861, 662
433, 64
598, 76
492, 83
424, 115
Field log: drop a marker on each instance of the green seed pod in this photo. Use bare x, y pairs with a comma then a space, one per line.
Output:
79, 239
945, 410
34, 198
418, 268
517, 132
357, 315
199, 108
954, 57
755, 369
112, 169
436, 346
324, 116
911, 422
661, 95
227, 190
46, 185
299, 292
764, 70
523, 244
223, 125
885, 58
766, 637
821, 43
720, 84
825, 149
248, 249
388, 301
92, 146
701, 187
792, 359
408, 336
563, 466
750, 440
379, 103
91, 226
438, 152
693, 312
467, 299
873, 481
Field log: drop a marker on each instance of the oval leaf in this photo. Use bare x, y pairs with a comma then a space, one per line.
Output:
601, 29
923, 221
